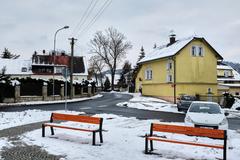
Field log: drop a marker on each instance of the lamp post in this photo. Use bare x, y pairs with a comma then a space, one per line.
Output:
54, 50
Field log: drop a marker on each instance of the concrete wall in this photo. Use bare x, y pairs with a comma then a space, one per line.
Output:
44, 96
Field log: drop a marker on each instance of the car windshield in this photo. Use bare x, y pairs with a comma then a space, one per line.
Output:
205, 108
188, 98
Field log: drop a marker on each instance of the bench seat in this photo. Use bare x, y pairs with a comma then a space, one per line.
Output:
57, 125
96, 121
153, 138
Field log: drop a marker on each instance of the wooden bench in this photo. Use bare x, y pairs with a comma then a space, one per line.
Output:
75, 118
191, 131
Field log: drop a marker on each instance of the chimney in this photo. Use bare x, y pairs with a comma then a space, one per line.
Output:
172, 37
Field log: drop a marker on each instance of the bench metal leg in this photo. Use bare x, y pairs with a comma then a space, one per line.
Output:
43, 130
151, 145
94, 137
101, 137
52, 131
225, 149
146, 145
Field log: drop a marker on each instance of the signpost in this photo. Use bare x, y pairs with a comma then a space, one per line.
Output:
65, 73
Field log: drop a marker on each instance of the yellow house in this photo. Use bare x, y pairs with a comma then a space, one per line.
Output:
186, 66
228, 79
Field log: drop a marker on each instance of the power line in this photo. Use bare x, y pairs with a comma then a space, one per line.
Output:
85, 15
96, 17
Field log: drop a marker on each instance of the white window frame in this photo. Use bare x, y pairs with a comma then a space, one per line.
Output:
196, 50
227, 73
148, 74
169, 65
169, 78
202, 53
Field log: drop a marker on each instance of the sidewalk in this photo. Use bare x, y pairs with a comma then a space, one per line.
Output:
49, 102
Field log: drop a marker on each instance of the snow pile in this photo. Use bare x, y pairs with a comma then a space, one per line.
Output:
149, 103
124, 139
12, 119
236, 104
4, 143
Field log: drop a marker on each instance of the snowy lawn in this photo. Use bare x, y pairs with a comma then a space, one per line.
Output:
12, 119
124, 140
155, 104
149, 103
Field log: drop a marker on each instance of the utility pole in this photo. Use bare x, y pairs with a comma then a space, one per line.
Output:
72, 41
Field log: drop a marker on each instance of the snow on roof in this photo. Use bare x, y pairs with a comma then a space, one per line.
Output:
236, 75
230, 85
15, 66
166, 51
224, 67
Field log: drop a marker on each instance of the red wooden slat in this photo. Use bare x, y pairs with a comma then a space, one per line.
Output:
76, 118
66, 127
205, 132
182, 142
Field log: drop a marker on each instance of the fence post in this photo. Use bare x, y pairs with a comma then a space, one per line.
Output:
17, 93
89, 90
44, 91
81, 90
62, 91
73, 92
93, 89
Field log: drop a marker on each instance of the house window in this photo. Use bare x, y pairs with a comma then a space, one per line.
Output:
197, 51
59, 69
169, 65
24, 69
200, 51
227, 73
148, 74
193, 50
169, 78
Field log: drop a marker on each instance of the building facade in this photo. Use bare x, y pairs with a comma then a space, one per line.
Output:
187, 66
228, 79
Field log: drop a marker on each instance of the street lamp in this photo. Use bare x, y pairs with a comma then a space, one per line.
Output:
54, 50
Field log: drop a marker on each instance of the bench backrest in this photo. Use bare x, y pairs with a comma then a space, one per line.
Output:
76, 118
203, 132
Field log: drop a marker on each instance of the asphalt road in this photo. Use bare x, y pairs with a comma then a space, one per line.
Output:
107, 104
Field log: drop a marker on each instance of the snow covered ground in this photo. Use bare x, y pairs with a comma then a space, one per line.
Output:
123, 139
155, 104
12, 119
149, 103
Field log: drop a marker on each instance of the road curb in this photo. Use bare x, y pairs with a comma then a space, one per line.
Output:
49, 102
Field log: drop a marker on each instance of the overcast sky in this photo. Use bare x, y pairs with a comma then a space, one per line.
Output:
29, 25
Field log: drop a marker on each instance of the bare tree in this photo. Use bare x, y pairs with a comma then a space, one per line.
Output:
96, 64
111, 47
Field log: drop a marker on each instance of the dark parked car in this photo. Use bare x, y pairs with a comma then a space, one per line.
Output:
184, 102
